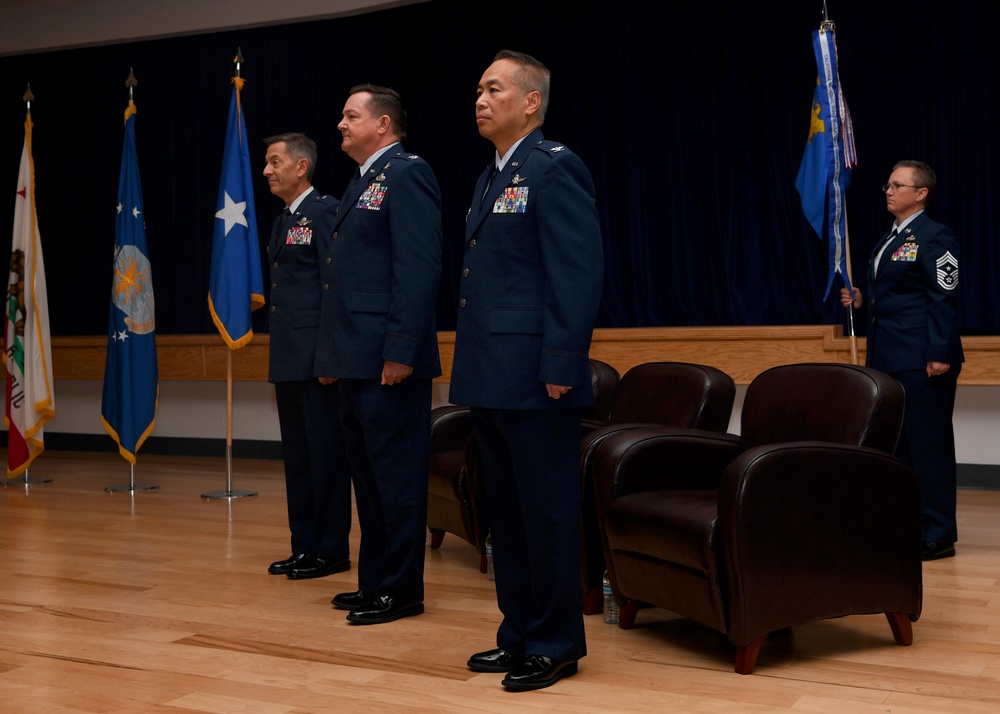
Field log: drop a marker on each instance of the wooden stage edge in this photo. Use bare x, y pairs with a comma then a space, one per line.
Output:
741, 352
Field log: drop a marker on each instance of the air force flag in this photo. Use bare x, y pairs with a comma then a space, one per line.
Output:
131, 387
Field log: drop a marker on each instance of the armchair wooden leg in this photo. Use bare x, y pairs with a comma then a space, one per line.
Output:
437, 537
626, 613
902, 628
746, 656
593, 601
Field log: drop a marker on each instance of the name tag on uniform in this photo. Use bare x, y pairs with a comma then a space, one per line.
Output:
906, 253
299, 235
513, 200
371, 199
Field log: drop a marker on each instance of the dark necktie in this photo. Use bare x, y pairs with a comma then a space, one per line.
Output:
281, 226
350, 184
489, 181
878, 258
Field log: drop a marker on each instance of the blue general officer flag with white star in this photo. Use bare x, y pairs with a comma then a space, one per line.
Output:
131, 386
236, 284
825, 171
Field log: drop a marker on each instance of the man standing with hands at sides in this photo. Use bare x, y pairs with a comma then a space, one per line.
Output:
913, 335
317, 479
378, 340
530, 291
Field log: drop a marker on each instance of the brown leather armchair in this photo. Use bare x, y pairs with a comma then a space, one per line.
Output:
675, 394
455, 499
456, 502
804, 516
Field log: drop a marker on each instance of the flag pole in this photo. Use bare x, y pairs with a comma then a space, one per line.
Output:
230, 494
827, 24
850, 306
131, 486
26, 480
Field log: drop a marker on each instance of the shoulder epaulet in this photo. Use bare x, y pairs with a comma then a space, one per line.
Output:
551, 147
405, 156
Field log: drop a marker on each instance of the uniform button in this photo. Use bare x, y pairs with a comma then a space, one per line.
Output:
472, 243
274, 264
273, 308
273, 286
465, 273
326, 287
334, 236
461, 303
329, 260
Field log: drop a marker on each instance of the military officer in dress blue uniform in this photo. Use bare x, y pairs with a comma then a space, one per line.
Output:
530, 290
378, 339
913, 335
317, 478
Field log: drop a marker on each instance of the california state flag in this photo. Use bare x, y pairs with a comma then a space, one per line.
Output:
26, 348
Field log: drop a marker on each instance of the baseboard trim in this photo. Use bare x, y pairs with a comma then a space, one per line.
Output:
970, 476
165, 446
979, 476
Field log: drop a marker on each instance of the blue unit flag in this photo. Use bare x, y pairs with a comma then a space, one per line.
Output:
825, 171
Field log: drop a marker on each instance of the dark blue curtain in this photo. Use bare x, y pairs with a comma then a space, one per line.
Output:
692, 119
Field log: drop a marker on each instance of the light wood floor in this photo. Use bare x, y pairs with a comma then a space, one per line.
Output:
160, 601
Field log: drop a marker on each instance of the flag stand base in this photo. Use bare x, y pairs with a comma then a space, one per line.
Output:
131, 487
228, 495
26, 481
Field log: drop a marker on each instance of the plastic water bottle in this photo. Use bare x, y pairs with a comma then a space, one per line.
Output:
611, 611
490, 574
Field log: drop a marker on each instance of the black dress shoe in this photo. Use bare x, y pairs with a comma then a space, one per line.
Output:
495, 660
933, 551
384, 608
281, 567
317, 568
537, 672
351, 601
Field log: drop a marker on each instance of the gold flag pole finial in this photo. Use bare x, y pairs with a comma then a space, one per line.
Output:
131, 83
28, 97
238, 82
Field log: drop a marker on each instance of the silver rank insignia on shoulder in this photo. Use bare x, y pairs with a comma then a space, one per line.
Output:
554, 149
411, 157
517, 179
947, 271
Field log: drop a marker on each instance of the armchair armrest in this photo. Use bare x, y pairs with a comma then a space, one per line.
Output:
659, 458
450, 428
594, 434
